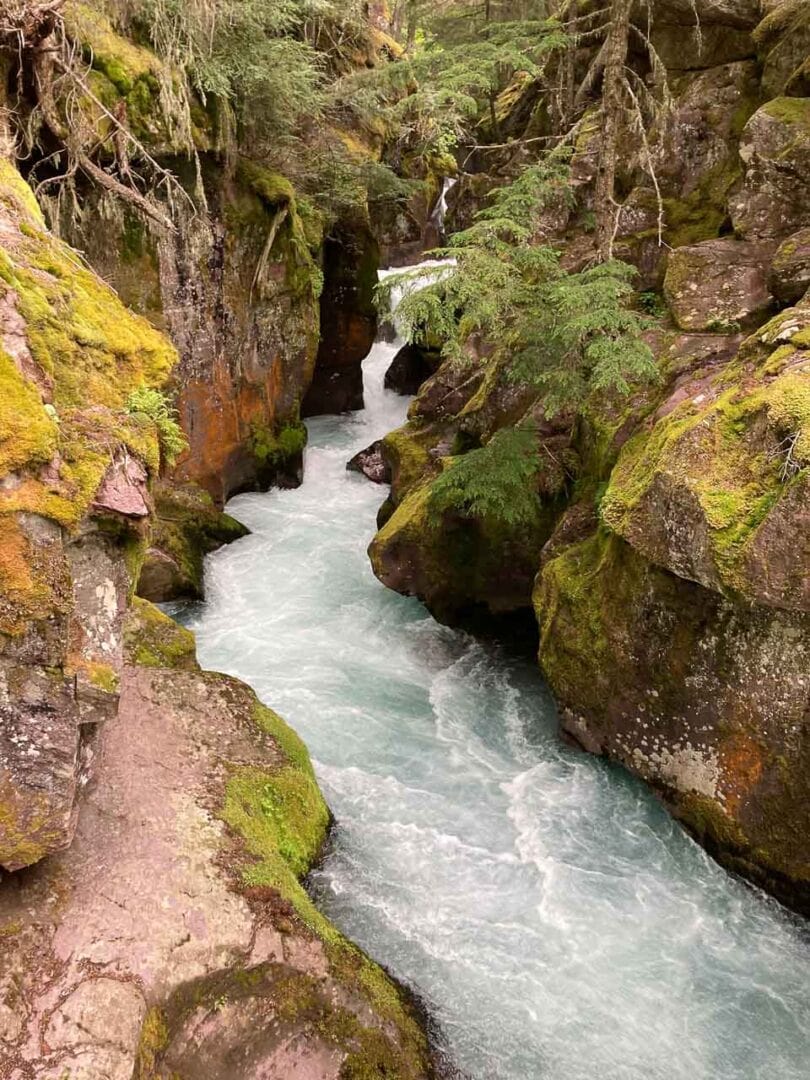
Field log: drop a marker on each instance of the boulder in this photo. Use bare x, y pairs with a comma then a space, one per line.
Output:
708, 45
371, 463
187, 526
789, 278
714, 488
783, 44
410, 368
743, 14
719, 284
774, 200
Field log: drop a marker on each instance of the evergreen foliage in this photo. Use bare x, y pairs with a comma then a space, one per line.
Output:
463, 60
565, 333
496, 483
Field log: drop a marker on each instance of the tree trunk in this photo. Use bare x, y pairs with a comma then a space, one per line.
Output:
613, 106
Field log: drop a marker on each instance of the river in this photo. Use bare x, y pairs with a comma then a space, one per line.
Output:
559, 924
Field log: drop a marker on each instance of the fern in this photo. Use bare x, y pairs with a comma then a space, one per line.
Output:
146, 401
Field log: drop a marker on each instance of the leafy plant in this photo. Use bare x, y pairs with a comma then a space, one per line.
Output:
146, 401
652, 304
496, 483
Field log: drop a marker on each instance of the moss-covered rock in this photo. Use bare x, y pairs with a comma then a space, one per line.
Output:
152, 639
699, 697
208, 815
75, 468
186, 527
715, 488
130, 79
775, 147
783, 44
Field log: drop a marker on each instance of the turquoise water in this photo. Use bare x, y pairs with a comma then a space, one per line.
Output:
559, 924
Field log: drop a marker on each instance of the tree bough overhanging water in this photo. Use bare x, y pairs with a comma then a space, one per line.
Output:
559, 923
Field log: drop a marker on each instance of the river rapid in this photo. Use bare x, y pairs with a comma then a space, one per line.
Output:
557, 922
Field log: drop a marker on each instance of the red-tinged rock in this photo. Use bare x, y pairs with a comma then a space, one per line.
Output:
719, 285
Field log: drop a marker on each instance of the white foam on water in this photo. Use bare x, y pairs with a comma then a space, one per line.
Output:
560, 924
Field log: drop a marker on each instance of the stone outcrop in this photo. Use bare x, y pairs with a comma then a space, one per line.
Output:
789, 277
774, 200
372, 464
410, 368
75, 467
182, 943
719, 284
348, 320
187, 528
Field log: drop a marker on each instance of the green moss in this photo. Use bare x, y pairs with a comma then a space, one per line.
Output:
28, 435
18, 197
726, 448
30, 586
790, 110
279, 814
153, 1041
409, 459
278, 447
700, 214
24, 840
152, 639
272, 188
101, 676
572, 583
282, 820
187, 526
125, 72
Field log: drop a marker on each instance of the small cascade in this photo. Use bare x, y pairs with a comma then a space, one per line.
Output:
437, 218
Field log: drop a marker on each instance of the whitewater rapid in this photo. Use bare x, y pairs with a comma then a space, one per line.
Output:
555, 919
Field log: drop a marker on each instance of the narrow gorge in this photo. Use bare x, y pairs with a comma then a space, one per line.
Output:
404, 539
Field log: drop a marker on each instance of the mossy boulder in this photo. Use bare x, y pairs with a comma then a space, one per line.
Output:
719, 284
701, 698
774, 200
464, 568
715, 487
783, 44
186, 527
152, 639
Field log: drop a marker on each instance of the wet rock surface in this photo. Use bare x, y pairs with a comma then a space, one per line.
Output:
410, 368
144, 948
372, 464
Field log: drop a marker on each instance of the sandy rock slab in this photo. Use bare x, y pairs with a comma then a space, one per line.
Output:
139, 951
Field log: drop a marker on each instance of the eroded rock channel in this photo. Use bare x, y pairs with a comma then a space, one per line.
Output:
559, 923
